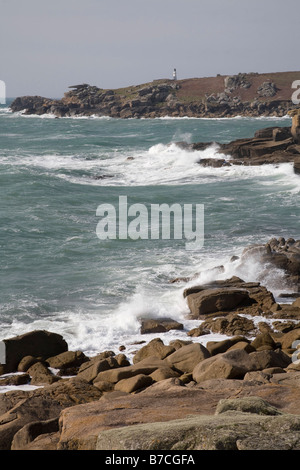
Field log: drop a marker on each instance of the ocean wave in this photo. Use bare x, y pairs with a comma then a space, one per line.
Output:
229, 118
5, 111
23, 114
161, 164
169, 164
122, 325
118, 323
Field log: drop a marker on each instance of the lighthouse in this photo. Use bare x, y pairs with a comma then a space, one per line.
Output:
174, 74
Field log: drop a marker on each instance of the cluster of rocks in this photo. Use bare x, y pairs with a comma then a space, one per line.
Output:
280, 253
99, 402
107, 392
225, 104
229, 103
226, 295
47, 418
271, 145
87, 100
267, 89
232, 82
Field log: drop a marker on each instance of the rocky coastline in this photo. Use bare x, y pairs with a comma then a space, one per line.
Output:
241, 393
272, 145
250, 95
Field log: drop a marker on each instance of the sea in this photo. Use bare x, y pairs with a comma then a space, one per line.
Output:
58, 275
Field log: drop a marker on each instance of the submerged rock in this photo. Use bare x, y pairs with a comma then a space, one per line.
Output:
159, 325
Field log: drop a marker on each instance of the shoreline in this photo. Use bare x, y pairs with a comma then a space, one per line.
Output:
162, 118
49, 115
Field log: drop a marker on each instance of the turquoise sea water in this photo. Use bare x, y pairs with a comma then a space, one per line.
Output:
55, 272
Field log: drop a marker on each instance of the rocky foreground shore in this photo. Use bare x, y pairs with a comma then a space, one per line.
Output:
241, 393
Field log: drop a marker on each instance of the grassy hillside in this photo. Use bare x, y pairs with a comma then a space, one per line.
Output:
195, 89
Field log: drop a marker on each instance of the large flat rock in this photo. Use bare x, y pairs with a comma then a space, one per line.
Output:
228, 431
163, 402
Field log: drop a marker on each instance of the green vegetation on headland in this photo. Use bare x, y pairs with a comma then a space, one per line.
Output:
249, 94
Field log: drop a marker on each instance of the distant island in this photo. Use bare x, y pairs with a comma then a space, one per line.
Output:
244, 94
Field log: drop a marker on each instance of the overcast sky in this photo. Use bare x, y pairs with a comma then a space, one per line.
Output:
48, 45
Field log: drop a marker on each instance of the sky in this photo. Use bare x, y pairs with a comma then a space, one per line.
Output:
48, 45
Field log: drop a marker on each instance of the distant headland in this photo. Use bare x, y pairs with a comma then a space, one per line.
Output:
244, 94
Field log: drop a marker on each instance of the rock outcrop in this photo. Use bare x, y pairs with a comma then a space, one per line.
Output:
259, 427
271, 145
39, 343
279, 253
86, 100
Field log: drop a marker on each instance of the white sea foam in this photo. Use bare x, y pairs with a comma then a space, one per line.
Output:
119, 324
25, 388
231, 118
160, 118
5, 110
159, 165
171, 164
23, 114
123, 323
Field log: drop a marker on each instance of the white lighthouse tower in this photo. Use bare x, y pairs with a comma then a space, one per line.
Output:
174, 74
